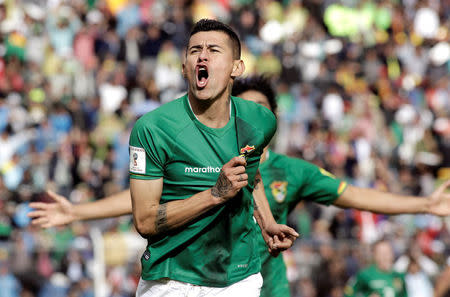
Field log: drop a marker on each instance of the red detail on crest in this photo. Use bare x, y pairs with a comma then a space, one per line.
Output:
247, 149
277, 185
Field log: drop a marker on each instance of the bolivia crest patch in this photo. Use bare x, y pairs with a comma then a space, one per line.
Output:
279, 190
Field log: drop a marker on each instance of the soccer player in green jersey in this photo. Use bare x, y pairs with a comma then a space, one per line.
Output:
191, 161
379, 279
287, 181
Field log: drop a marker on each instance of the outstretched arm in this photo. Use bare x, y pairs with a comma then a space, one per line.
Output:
62, 211
438, 203
149, 213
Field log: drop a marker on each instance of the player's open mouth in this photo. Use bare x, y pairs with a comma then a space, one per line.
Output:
202, 76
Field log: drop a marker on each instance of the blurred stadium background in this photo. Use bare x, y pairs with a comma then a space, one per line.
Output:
363, 91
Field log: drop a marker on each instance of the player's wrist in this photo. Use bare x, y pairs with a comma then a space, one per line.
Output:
215, 198
76, 213
270, 227
427, 208
267, 221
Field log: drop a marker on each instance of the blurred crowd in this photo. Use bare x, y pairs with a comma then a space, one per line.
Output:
363, 91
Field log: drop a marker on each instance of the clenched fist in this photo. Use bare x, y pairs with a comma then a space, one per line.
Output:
231, 180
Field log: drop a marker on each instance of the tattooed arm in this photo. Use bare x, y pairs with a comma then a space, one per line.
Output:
262, 211
152, 218
278, 237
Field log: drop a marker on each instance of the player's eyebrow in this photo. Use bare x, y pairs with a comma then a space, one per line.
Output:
214, 45
209, 46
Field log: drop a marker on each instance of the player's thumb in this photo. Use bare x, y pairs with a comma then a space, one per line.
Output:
55, 197
443, 187
290, 231
237, 161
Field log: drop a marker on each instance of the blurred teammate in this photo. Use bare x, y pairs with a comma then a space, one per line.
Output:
379, 279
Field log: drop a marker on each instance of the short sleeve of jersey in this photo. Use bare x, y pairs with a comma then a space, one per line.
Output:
270, 126
146, 158
256, 124
268, 122
320, 185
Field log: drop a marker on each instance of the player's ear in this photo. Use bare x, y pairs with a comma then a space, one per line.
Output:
183, 70
238, 68
183, 63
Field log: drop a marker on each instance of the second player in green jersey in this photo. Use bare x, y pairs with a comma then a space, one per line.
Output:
287, 182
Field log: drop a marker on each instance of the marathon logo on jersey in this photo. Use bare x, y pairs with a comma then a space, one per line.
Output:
245, 151
208, 169
279, 190
137, 159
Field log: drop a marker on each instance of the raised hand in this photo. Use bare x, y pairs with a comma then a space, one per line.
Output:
440, 200
231, 180
52, 214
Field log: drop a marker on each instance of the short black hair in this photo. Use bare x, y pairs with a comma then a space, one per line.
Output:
205, 25
259, 83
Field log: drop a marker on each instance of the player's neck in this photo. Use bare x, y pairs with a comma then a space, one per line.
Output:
264, 155
214, 113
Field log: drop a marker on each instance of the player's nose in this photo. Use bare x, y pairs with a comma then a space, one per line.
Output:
204, 55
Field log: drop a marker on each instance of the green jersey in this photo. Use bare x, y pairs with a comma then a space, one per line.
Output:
219, 247
287, 181
374, 281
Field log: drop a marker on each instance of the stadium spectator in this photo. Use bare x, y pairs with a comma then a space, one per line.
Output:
379, 279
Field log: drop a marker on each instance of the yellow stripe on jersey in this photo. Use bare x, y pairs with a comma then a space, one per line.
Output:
326, 173
342, 187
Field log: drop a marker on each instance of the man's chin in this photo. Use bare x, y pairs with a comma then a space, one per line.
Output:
202, 94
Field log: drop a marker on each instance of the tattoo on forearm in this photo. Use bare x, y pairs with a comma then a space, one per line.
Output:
222, 186
256, 204
161, 219
256, 183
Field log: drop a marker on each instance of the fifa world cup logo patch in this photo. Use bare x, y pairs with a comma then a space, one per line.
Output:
279, 190
245, 151
137, 160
